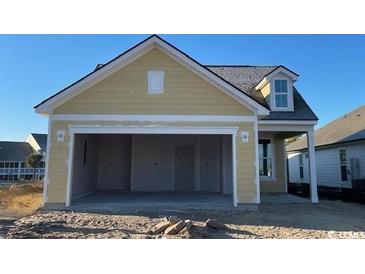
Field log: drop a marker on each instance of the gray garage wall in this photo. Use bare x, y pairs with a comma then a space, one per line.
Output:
153, 161
147, 162
84, 177
114, 171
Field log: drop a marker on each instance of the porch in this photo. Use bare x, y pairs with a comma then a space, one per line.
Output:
273, 169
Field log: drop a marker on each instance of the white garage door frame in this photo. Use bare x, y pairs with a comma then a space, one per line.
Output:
100, 129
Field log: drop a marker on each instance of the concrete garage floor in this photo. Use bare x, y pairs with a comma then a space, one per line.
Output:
149, 200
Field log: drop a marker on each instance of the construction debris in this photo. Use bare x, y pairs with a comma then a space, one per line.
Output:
159, 228
212, 223
173, 220
175, 229
171, 226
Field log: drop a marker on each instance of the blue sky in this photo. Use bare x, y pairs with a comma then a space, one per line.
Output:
33, 67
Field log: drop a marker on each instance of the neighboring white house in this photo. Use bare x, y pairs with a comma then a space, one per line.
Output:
14, 154
340, 153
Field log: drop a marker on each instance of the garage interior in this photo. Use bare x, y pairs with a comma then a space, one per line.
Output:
151, 168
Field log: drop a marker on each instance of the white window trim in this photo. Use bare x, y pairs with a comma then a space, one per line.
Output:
290, 95
271, 178
155, 73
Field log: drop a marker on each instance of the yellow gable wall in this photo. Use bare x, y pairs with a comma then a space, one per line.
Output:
125, 92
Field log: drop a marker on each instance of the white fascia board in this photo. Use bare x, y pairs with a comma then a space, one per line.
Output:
153, 118
132, 55
287, 122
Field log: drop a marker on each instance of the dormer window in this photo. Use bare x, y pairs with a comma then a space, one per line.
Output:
281, 93
155, 81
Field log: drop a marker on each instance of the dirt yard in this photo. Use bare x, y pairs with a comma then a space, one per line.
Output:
20, 218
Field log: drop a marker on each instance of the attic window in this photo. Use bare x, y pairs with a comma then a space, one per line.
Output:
281, 93
155, 82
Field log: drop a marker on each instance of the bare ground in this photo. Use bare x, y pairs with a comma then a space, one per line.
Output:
21, 218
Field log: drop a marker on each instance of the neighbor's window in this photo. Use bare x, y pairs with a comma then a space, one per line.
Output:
343, 164
265, 157
281, 94
155, 82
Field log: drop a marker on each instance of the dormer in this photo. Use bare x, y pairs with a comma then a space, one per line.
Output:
277, 88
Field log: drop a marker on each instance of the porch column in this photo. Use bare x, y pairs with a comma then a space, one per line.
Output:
312, 167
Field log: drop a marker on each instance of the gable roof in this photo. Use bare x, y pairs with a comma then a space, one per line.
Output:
14, 151
348, 128
41, 139
247, 78
101, 72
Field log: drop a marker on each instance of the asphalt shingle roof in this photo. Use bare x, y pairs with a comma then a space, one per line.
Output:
246, 78
14, 151
349, 127
41, 140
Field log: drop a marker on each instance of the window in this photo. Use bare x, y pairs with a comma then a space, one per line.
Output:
155, 82
301, 170
265, 157
281, 94
343, 164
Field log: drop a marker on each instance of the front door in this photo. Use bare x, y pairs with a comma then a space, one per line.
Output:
184, 168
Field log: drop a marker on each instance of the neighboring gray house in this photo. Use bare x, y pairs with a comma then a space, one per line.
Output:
14, 154
340, 153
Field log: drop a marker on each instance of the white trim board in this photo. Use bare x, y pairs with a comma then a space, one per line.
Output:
120, 129
285, 128
136, 52
287, 122
95, 129
153, 118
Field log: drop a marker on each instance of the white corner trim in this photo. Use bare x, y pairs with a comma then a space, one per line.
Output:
152, 118
132, 55
234, 169
70, 169
46, 172
257, 164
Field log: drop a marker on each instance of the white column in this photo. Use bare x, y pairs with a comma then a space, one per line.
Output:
312, 167
234, 169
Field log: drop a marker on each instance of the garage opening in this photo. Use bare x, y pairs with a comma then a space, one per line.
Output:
151, 168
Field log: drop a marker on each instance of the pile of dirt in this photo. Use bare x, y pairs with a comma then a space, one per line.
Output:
21, 199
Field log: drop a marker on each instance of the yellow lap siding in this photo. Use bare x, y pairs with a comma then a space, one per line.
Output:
125, 92
58, 158
246, 172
